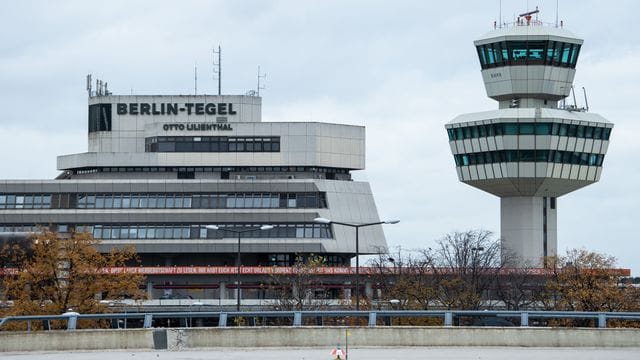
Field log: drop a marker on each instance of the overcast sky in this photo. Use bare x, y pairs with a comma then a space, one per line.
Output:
401, 68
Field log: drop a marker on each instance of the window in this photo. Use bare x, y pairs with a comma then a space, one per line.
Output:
511, 129
543, 129
99, 117
527, 128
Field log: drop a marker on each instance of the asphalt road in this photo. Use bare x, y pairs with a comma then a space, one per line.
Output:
401, 353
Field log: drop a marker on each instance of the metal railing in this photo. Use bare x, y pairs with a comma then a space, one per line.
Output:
296, 318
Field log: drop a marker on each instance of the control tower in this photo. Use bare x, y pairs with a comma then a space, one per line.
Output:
535, 147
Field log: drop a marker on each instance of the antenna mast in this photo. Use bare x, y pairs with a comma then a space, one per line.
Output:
195, 78
557, 13
89, 84
217, 68
260, 77
500, 16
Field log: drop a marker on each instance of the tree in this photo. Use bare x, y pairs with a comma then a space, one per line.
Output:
583, 280
301, 287
464, 266
54, 273
457, 274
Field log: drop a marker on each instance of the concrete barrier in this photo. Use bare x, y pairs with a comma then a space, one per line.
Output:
194, 338
76, 340
403, 336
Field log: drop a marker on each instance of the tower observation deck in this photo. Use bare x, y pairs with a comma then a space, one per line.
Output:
533, 148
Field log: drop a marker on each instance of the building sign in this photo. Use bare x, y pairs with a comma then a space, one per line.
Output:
175, 109
197, 127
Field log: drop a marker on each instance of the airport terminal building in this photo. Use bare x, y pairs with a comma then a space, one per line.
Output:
171, 174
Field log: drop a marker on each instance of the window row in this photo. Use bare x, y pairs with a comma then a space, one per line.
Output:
551, 156
29, 201
245, 169
539, 128
202, 201
533, 52
212, 144
202, 232
20, 228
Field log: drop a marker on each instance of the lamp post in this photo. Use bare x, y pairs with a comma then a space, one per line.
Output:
238, 262
357, 227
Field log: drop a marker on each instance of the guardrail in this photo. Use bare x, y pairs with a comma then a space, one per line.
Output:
296, 317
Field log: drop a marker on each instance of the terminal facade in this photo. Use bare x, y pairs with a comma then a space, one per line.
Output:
534, 148
175, 176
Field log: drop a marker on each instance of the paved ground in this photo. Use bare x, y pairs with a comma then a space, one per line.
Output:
430, 353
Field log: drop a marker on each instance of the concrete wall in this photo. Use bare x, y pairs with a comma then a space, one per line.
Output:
192, 338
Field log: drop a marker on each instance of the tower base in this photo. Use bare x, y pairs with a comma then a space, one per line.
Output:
528, 227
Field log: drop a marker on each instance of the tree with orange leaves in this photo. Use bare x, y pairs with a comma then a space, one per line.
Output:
52, 273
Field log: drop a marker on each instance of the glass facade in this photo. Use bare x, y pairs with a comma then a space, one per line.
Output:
551, 156
198, 231
533, 52
539, 128
165, 201
212, 144
25, 201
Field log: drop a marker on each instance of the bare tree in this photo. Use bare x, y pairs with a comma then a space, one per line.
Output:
301, 288
464, 265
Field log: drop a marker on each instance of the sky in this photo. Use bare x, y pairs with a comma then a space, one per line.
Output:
401, 68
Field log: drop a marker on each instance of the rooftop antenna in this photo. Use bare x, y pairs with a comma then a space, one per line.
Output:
586, 103
573, 91
260, 77
89, 84
500, 16
217, 68
557, 13
195, 78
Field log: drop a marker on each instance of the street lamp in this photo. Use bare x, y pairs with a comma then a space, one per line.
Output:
238, 263
321, 220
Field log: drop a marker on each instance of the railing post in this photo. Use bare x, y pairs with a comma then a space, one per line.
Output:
71, 322
448, 318
297, 318
372, 319
524, 319
222, 321
602, 320
147, 320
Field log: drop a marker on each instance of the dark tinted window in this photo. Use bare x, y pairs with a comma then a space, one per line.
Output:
99, 117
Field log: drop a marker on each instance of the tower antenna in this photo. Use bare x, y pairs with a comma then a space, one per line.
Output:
195, 78
557, 13
217, 68
89, 84
500, 16
260, 77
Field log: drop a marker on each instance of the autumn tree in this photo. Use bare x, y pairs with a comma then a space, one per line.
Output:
583, 280
51, 273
